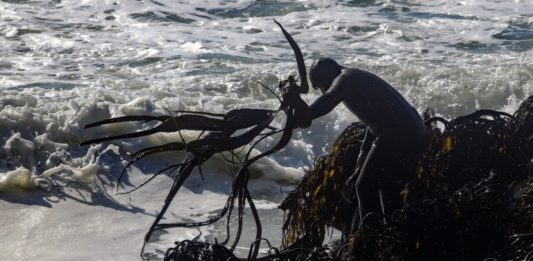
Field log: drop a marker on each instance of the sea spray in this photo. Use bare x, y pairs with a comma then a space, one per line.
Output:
66, 63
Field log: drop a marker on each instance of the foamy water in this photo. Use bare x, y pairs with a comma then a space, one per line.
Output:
68, 63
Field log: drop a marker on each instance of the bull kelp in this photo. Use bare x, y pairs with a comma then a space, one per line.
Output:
218, 133
471, 197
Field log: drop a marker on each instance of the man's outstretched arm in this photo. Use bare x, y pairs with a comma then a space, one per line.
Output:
321, 106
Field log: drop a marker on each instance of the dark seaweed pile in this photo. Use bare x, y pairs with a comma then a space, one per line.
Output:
471, 198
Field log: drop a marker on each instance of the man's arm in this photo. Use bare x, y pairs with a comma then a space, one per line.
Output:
329, 100
323, 105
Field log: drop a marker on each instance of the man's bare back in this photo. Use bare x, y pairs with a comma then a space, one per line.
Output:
373, 101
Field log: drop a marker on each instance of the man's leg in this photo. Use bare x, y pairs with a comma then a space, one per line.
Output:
367, 186
355, 223
390, 197
402, 164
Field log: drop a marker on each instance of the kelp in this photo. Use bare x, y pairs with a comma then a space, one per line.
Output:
192, 251
219, 133
220, 137
471, 197
325, 198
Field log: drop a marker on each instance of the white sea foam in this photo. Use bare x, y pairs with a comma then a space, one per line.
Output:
68, 63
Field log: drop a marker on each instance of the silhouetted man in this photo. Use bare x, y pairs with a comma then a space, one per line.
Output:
395, 131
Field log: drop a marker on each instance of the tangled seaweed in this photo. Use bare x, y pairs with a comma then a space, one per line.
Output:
471, 197
218, 139
326, 201
188, 250
218, 134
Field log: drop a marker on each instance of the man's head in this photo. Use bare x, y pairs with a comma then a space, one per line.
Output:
323, 72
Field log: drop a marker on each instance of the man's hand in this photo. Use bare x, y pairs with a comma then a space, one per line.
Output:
302, 113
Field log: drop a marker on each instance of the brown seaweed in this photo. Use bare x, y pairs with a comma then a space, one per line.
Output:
219, 138
220, 130
462, 203
232, 121
304, 85
470, 199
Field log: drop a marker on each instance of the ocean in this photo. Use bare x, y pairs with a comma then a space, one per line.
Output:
64, 64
